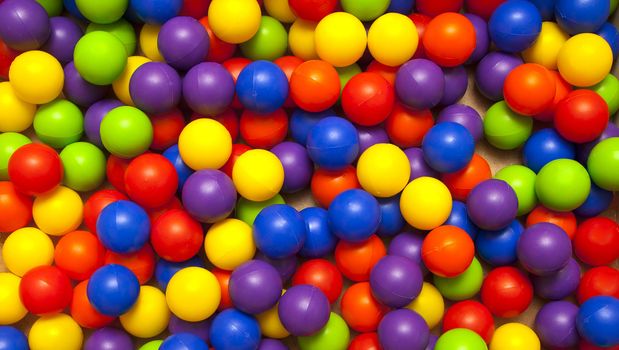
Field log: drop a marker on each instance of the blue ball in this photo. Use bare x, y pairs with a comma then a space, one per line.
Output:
113, 289
123, 227
609, 32
391, 220
499, 248
262, 87
581, 16
183, 341
155, 11
333, 143
448, 147
164, 270
546, 8
598, 201
544, 146
515, 25
12, 339
404, 7
598, 321
301, 122
182, 170
354, 215
234, 330
71, 7
319, 240
279, 231
459, 217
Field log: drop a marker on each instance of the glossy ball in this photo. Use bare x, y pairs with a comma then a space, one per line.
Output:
78, 254
15, 208
354, 215
246, 11
601, 280
545, 146
595, 241
100, 57
186, 293
504, 128
55, 331
315, 86
183, 42
537, 80
596, 320
389, 47
255, 287
340, 39
319, 240
425, 203
447, 251
229, 235
126, 132
465, 116
58, 212
470, 315
26, 249
12, 338
506, 292
35, 169
449, 39
303, 310
545, 50
448, 147
420, 84
262, 87
522, 180
208, 88
155, 87
209, 195
333, 143
113, 289
233, 329
601, 164
562, 185
556, 324
515, 25
559, 285
491, 72
464, 286
499, 247
403, 327
460, 339
512, 336
582, 116
496, 194
544, 249
192, 144
279, 231
577, 51
45, 290
123, 227
322, 274
267, 175
581, 16
367, 99
36, 66
32, 20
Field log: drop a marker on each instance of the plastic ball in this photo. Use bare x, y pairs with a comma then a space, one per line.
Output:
340, 39
303, 310
407, 245
429, 304
183, 42
333, 143
182, 341
545, 146
596, 320
456, 84
82, 310
286, 267
57, 331
307, 9
209, 195
126, 132
167, 127
601, 280
601, 164
506, 292
522, 181
545, 50
113, 289
301, 39
297, 165
35, 66
609, 32
565, 220
78, 90
35, 169
26, 249
78, 254
155, 87
315, 86
559, 285
491, 72
425, 203
327, 184
459, 217
370, 136
32, 21
141, 263
382, 39
122, 29
186, 291
396, 281
364, 341
108, 338
262, 87
208, 88
281, 10
58, 212
319, 240
334, 335
598, 201
577, 51
198, 329
233, 329
447, 251
58, 123
420, 84
354, 215
45, 290
537, 80
544, 249
64, 34
608, 89
255, 287
582, 116
391, 219
562, 185
96, 50
269, 43
464, 286
254, 184
505, 129
470, 315
121, 85
13, 306
448, 147
16, 115
460, 338
403, 326
368, 99
279, 231
15, 208
219, 50
246, 12
581, 16
95, 203
84, 166
383, 170
406, 127
149, 315
192, 144
355, 260
482, 38
176, 236
499, 247
496, 194
264, 130
12, 338
123, 227
556, 324
512, 336
322, 274
515, 25
449, 39
595, 241
102, 12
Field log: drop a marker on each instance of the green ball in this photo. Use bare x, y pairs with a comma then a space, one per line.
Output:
84, 166
609, 90
460, 339
522, 180
121, 29
333, 336
464, 286
9, 143
126, 132
563, 185
52, 7
346, 73
506, 129
365, 10
151, 345
102, 11
100, 57
59, 123
603, 164
247, 210
269, 43
613, 6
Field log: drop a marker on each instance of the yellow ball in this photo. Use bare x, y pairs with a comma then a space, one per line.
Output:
55, 332
514, 336
258, 175
429, 304
425, 203
383, 170
121, 84
301, 39
545, 50
148, 42
393, 39
12, 308
149, 315
58, 212
229, 243
205, 144
234, 21
280, 10
585, 60
26, 249
270, 324
15, 114
340, 39
37, 77
193, 294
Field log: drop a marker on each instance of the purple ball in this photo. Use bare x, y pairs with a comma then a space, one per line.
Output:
407, 245
370, 136
64, 34
286, 267
208, 89
78, 90
93, 117
482, 42
492, 205
272, 344
403, 329
183, 42
419, 166
491, 72
209, 195
255, 287
583, 150
199, 329
24, 24
109, 338
559, 285
420, 84
303, 310
465, 116
155, 87
396, 280
456, 83
298, 167
555, 324
544, 249
431, 342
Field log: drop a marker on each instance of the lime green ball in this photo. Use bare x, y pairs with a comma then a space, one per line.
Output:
121, 29
247, 210
609, 90
102, 11
522, 180
9, 143
506, 129
126, 132
151, 345
563, 185
269, 43
613, 5
346, 73
365, 10
52, 7
84, 166
100, 57
59, 123
603, 164
463, 286
333, 336
460, 339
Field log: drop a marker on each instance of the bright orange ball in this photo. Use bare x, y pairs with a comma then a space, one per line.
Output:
15, 208
447, 251
327, 184
361, 311
565, 220
141, 263
223, 277
449, 39
529, 89
355, 260
79, 254
562, 89
83, 312
462, 182
407, 127
315, 86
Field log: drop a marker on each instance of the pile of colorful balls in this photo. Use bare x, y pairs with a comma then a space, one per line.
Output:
148, 149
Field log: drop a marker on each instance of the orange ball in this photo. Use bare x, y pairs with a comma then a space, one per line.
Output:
78, 254
327, 184
288, 64
447, 251
407, 127
141, 263
264, 130
385, 71
565, 220
529, 89
315, 86
355, 260
15, 208
361, 311
462, 182
449, 39
83, 312
223, 277
562, 89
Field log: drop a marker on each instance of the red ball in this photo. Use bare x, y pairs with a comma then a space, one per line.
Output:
115, 172
195, 8
235, 66
472, 315
563, 88
506, 292
356, 260
264, 130
223, 277
368, 99
462, 182
312, 10
582, 116
237, 150
83, 312
15, 208
407, 127
322, 274
361, 311
155, 213
45, 290
288, 64
95, 204
141, 263
327, 184
584, 345
602, 280
218, 50
176, 236
228, 119
7, 55
596, 241
166, 129
35, 169
365, 341
447, 251
421, 23
434, 8
449, 39
483, 8
315, 86
78, 254
529, 89
151, 180
385, 71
